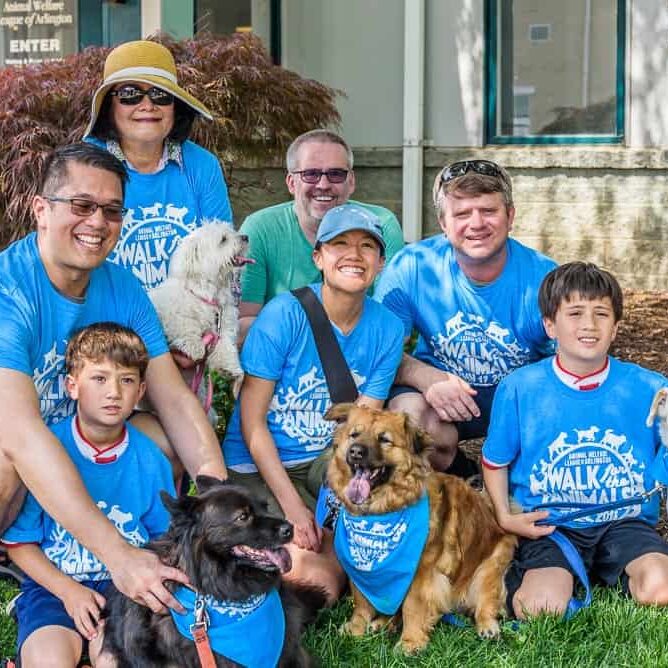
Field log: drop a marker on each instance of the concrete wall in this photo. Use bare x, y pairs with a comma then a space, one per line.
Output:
357, 47
647, 111
454, 69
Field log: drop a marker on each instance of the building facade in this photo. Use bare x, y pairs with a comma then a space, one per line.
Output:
568, 95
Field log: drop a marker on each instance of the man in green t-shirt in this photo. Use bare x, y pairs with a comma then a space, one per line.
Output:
319, 177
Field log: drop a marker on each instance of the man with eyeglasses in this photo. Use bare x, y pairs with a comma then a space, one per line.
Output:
472, 295
281, 238
53, 282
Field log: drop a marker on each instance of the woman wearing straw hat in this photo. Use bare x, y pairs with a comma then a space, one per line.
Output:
141, 115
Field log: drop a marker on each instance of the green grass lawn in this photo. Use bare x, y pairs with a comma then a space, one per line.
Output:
613, 632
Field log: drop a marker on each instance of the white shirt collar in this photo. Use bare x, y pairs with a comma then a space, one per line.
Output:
95, 454
589, 382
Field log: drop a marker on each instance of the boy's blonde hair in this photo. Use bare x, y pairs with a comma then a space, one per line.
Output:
106, 341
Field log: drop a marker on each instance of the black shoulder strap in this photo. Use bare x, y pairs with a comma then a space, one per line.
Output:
340, 382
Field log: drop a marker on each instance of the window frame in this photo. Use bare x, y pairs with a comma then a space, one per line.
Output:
491, 87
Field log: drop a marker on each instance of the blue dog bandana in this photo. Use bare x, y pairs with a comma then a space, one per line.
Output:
380, 553
250, 632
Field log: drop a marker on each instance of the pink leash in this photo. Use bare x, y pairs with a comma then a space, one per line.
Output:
209, 339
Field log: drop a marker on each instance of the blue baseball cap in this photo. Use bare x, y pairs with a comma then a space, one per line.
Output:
349, 217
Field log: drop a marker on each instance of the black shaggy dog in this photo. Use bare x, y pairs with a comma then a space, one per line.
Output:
231, 550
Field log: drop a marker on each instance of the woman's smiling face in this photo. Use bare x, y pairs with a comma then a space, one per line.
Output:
350, 261
144, 122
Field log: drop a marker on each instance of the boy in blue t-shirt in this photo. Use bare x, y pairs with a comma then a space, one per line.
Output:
123, 472
570, 431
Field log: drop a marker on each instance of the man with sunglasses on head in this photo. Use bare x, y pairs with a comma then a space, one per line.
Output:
472, 295
53, 282
281, 238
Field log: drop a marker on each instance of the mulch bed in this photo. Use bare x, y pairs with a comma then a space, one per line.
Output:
643, 339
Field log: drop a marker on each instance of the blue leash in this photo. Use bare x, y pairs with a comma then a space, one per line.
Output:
574, 605
575, 562
586, 509
568, 549
572, 555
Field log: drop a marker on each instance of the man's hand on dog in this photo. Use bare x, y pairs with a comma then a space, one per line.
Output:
83, 605
139, 574
452, 399
307, 533
524, 524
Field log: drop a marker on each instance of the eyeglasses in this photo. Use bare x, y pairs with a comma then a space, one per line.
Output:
132, 95
84, 207
314, 175
483, 167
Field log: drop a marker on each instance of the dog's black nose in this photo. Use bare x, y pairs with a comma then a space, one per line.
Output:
285, 531
357, 454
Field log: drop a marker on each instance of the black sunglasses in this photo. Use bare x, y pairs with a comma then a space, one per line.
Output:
131, 95
85, 207
483, 167
314, 175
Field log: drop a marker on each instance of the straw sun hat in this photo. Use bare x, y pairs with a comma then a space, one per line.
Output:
145, 62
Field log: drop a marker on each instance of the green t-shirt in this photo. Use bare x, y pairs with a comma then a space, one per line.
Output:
282, 253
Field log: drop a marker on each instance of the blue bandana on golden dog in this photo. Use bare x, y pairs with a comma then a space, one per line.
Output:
380, 553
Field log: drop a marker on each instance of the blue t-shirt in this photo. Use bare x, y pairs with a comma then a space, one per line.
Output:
566, 445
126, 490
37, 320
479, 333
165, 206
280, 347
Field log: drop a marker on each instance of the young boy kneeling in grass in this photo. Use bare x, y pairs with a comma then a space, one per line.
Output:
122, 470
571, 429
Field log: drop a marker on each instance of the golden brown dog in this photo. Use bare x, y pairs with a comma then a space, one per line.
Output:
379, 467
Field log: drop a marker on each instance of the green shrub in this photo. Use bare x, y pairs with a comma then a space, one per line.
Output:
223, 401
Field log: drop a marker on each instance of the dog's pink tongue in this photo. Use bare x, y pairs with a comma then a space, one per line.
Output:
241, 260
359, 488
281, 558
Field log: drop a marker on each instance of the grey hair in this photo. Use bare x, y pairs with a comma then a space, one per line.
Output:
320, 135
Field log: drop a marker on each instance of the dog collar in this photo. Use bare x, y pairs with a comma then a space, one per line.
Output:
381, 553
250, 632
210, 301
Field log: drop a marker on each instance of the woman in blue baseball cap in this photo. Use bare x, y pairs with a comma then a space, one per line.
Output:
277, 439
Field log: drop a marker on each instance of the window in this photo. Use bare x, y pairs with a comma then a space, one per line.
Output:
539, 33
555, 71
225, 17
222, 18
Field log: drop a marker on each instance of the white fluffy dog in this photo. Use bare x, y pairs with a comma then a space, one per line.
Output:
660, 409
196, 304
